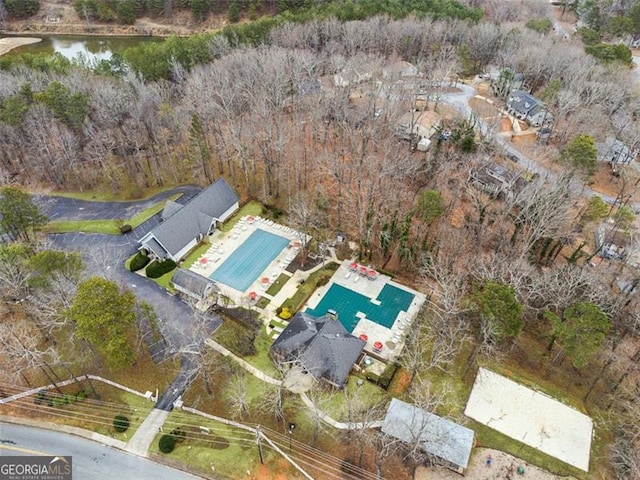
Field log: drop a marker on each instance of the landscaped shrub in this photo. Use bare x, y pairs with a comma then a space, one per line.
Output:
59, 401
120, 423
43, 398
285, 314
159, 268
179, 434
167, 443
126, 228
138, 262
387, 375
81, 395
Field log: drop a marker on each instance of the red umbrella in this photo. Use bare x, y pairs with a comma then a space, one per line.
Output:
363, 270
203, 261
372, 274
363, 337
353, 266
250, 219
297, 244
378, 345
252, 295
265, 280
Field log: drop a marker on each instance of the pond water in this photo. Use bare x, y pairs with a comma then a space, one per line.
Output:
93, 48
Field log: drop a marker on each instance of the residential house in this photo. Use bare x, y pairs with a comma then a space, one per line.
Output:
417, 125
320, 346
497, 180
398, 70
193, 285
447, 442
615, 152
183, 226
526, 107
351, 76
614, 243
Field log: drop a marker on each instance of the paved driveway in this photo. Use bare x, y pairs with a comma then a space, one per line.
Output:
63, 208
104, 255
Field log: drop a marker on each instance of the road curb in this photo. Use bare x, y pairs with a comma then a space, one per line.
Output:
79, 432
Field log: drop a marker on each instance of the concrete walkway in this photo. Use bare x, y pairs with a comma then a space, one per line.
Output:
334, 423
146, 432
307, 401
246, 365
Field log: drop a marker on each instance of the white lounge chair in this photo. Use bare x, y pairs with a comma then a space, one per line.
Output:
347, 276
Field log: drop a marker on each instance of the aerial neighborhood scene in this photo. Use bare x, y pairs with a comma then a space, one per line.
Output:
320, 239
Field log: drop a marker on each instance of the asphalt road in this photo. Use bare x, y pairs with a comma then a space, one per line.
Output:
460, 101
91, 460
63, 208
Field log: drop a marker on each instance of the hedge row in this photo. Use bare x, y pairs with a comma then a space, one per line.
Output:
51, 400
139, 262
159, 268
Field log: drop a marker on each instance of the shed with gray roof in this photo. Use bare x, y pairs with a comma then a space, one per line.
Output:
184, 226
445, 440
192, 284
322, 346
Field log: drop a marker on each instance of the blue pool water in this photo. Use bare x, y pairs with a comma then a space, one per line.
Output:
249, 260
347, 302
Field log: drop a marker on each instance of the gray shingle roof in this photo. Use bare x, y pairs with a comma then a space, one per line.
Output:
170, 208
439, 437
524, 102
322, 345
197, 284
155, 247
195, 218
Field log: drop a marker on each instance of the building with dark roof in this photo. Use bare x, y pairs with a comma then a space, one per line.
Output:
184, 226
192, 284
321, 346
449, 443
526, 107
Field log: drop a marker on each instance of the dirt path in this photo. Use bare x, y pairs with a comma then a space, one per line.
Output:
9, 43
502, 466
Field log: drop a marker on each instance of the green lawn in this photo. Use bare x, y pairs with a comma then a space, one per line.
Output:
110, 196
305, 290
219, 450
109, 227
233, 336
368, 394
251, 208
278, 284
165, 281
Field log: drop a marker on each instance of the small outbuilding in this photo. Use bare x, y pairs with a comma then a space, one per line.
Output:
447, 442
192, 284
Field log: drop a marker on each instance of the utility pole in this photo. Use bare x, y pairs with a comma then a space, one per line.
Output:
291, 427
258, 441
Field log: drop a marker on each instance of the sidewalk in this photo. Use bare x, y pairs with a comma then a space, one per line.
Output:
334, 423
146, 432
246, 365
79, 432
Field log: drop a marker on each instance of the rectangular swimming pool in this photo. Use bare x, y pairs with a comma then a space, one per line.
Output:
249, 260
347, 303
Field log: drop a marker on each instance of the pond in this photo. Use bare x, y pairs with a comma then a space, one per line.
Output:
92, 47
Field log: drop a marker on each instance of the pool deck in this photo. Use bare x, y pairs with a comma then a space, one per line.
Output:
392, 338
223, 244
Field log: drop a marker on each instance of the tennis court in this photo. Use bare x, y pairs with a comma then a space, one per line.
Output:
249, 260
390, 301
